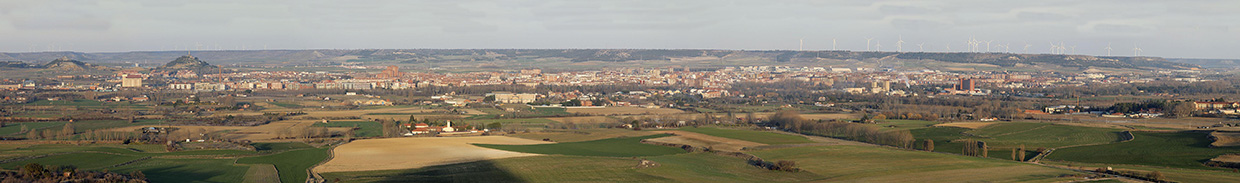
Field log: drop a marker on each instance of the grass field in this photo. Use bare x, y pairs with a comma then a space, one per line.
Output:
280, 146
285, 104
616, 147
582, 134
903, 124
1174, 174
160, 166
90, 161
83, 126
367, 128
82, 103
752, 136
693, 167
187, 170
292, 165
879, 164
1009, 135
11, 129
1178, 150
261, 173
623, 110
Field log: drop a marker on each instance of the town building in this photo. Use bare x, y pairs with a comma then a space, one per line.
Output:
131, 80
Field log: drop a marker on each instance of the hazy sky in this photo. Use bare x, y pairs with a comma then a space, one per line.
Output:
1195, 29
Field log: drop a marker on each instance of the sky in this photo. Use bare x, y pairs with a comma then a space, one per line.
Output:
1180, 29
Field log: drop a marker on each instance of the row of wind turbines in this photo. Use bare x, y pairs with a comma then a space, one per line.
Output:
975, 45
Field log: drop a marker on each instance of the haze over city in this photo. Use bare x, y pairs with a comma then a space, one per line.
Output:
1176, 29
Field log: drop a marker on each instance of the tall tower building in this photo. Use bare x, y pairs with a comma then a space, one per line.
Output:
966, 84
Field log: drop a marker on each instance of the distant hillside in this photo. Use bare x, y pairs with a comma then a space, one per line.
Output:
387, 56
1209, 63
16, 64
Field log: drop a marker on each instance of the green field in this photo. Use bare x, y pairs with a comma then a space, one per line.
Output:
11, 129
1177, 149
1010, 135
524, 122
292, 165
367, 128
83, 126
616, 147
880, 164
81, 160
752, 136
692, 167
84, 103
291, 159
261, 173
1174, 174
819, 164
78, 127
904, 124
187, 170
285, 104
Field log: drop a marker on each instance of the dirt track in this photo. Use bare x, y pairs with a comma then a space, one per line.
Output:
409, 153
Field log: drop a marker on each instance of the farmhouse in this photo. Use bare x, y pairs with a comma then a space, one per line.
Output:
423, 128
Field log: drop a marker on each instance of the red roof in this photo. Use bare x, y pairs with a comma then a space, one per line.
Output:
133, 76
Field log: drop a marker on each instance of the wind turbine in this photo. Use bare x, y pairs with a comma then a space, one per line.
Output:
988, 45
921, 47
1027, 45
878, 46
1108, 49
802, 45
1054, 48
867, 43
1073, 49
1136, 51
833, 44
948, 46
900, 44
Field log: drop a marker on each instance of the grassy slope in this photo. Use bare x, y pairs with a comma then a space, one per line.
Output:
752, 136
292, 165
617, 147
368, 128
878, 164
1179, 150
